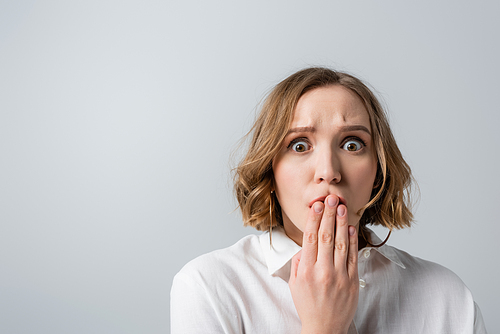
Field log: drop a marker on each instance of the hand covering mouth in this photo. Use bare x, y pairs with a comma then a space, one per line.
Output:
322, 199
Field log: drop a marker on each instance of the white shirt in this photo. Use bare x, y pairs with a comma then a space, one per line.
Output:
244, 289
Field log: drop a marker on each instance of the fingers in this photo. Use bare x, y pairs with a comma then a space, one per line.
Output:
326, 235
310, 237
328, 239
352, 259
341, 239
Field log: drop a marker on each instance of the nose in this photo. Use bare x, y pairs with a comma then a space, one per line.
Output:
327, 168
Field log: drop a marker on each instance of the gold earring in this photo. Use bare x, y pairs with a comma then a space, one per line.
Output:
271, 219
361, 229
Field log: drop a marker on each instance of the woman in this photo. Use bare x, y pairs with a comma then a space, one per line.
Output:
321, 166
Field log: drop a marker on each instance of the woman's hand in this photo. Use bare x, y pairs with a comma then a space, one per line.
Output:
324, 277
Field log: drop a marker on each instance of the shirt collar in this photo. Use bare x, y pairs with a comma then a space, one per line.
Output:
283, 249
386, 251
280, 252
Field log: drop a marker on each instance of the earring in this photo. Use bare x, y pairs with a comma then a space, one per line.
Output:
271, 219
361, 229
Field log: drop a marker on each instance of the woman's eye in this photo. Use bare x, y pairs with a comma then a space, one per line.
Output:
300, 146
352, 146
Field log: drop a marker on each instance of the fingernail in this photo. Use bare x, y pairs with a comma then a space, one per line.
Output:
317, 207
352, 230
341, 211
332, 201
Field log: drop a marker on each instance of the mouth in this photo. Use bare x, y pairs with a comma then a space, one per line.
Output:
322, 199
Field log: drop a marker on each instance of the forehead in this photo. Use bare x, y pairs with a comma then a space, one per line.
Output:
330, 106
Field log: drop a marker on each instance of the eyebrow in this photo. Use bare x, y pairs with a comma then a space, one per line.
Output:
302, 129
346, 128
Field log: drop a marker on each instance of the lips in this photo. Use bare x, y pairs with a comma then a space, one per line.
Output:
322, 199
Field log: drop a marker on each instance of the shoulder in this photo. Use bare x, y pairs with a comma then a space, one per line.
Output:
425, 268
226, 262
436, 290
432, 276
207, 289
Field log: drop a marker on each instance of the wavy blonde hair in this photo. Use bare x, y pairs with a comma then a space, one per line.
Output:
390, 201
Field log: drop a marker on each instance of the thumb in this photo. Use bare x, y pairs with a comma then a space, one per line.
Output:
295, 265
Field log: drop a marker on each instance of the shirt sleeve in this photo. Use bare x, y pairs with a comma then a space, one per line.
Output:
479, 326
191, 308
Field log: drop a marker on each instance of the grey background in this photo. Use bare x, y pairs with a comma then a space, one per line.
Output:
117, 120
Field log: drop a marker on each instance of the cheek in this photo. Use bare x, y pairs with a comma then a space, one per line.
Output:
368, 179
363, 178
286, 174
289, 182
284, 179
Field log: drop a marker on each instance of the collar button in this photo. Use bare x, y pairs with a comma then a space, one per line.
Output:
366, 253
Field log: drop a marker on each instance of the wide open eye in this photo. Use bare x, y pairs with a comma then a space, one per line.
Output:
300, 146
352, 146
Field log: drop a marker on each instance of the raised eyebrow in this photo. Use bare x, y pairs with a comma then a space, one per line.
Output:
348, 128
301, 129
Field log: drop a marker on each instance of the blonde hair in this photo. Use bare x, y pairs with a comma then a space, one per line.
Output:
390, 202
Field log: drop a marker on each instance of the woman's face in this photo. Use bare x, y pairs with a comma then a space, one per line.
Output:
328, 150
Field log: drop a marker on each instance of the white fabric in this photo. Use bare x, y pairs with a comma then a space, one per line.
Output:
244, 289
